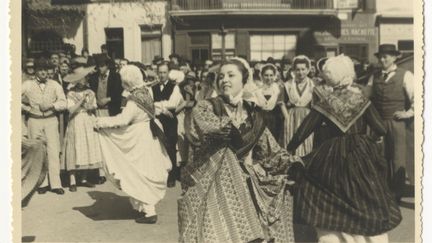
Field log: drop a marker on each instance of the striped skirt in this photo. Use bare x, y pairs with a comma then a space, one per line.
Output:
344, 189
296, 116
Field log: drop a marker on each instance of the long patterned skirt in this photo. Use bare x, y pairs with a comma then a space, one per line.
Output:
220, 204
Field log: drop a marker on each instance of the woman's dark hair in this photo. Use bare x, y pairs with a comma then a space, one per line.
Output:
301, 61
241, 67
268, 67
163, 64
188, 81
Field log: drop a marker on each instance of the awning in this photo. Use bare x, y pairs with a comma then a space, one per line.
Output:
64, 19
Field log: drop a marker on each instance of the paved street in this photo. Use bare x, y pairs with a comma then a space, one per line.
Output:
103, 214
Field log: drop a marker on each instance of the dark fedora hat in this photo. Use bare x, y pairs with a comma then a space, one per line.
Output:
102, 59
387, 49
158, 59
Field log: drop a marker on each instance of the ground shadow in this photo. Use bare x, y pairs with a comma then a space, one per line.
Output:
28, 238
108, 206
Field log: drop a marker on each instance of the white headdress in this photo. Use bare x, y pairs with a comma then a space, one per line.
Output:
251, 92
132, 77
250, 88
339, 71
176, 75
268, 65
303, 57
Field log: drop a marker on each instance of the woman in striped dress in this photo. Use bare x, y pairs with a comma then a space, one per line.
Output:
298, 97
344, 193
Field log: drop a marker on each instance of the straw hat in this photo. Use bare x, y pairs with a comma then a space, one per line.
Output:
78, 74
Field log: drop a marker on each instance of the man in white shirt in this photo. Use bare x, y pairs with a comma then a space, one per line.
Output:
44, 98
393, 96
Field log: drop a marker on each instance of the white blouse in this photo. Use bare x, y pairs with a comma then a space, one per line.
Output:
297, 99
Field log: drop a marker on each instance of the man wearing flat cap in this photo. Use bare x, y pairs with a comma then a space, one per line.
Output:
44, 99
393, 96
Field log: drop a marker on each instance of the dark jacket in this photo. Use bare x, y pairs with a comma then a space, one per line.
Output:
114, 90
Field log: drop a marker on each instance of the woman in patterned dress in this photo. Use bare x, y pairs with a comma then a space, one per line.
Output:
81, 151
298, 97
344, 193
235, 187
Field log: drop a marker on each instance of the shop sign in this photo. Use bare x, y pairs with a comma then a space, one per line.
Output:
347, 4
349, 32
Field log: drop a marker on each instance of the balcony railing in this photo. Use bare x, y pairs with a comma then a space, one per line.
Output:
185, 5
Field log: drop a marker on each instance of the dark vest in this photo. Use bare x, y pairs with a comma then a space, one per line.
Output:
169, 124
165, 94
389, 97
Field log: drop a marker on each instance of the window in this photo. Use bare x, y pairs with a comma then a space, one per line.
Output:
357, 52
263, 46
115, 42
151, 43
200, 46
46, 41
216, 41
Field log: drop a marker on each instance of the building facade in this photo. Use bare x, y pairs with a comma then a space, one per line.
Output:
395, 22
134, 29
259, 29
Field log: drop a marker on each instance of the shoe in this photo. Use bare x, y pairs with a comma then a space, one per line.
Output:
43, 190
58, 191
87, 184
73, 188
101, 180
147, 220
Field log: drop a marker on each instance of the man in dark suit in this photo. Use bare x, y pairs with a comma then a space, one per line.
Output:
167, 96
106, 83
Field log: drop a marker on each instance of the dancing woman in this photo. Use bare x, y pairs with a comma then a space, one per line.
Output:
132, 148
235, 187
344, 192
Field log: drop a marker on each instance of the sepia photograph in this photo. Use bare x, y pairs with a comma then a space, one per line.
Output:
217, 120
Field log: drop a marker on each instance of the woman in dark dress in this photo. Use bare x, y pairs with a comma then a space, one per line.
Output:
343, 193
